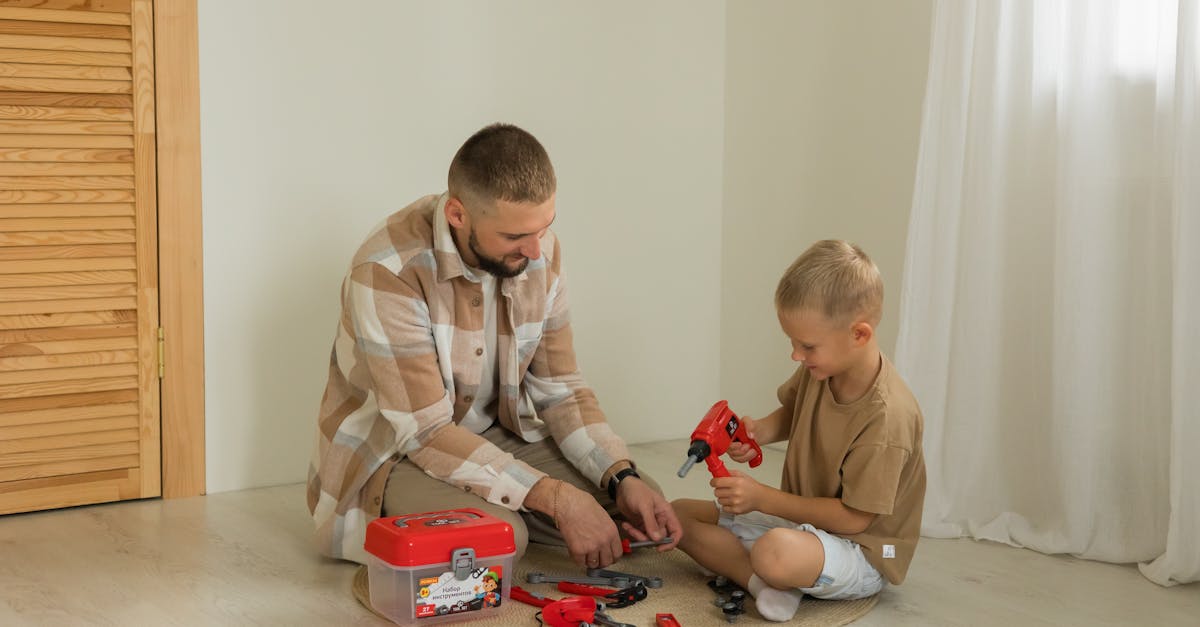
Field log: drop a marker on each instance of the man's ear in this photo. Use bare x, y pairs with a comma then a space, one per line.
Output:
861, 332
456, 213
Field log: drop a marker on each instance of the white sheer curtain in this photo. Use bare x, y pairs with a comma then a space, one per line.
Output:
1051, 296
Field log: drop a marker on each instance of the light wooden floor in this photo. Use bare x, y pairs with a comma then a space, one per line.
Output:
243, 558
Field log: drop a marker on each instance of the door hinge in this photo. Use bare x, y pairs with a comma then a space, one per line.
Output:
162, 362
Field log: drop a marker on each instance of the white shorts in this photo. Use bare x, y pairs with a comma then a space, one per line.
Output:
846, 575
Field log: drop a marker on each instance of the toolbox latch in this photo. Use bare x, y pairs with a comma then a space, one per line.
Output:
463, 562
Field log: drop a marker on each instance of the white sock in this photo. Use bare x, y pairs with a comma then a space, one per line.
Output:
773, 603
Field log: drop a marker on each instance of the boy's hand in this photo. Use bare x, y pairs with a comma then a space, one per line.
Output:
738, 493
741, 452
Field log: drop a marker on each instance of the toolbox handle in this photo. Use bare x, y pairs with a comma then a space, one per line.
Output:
404, 520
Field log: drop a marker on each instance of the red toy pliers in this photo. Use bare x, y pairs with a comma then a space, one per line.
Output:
612, 597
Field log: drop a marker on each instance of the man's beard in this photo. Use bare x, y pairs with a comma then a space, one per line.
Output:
492, 265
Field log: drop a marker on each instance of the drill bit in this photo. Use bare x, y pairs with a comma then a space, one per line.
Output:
687, 466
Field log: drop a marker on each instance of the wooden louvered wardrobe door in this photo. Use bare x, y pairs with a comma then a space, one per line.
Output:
79, 395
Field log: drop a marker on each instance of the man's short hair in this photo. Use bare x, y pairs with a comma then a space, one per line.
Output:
835, 278
501, 162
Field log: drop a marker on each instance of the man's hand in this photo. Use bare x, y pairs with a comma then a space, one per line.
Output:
738, 493
591, 536
741, 452
648, 514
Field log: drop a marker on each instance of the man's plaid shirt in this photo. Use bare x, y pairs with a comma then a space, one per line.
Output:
405, 366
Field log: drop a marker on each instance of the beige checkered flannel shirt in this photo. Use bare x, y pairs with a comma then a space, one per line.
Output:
405, 364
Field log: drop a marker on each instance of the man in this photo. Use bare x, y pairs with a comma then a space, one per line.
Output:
454, 320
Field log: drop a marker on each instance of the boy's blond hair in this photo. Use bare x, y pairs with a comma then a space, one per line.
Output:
835, 278
501, 162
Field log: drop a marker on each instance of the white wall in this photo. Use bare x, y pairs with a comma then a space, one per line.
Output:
318, 119
712, 141
822, 119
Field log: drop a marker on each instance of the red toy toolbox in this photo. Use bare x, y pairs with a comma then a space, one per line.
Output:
439, 567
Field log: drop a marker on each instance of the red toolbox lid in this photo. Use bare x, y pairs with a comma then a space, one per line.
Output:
429, 538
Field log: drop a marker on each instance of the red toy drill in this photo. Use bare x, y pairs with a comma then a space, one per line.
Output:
719, 428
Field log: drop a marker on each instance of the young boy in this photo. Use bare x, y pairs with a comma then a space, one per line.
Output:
849, 513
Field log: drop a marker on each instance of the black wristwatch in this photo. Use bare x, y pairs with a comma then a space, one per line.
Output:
616, 480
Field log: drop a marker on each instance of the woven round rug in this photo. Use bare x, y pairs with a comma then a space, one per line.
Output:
684, 593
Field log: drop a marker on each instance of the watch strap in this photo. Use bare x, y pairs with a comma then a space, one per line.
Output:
617, 478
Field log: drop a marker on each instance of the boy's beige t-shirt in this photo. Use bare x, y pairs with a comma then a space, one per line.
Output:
867, 453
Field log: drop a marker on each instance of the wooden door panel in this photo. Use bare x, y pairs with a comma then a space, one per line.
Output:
73, 426
65, 57
68, 374
51, 388
57, 238
17, 419
62, 155
79, 388
38, 447
71, 486
99, 260
88, 276
29, 140
83, 72
65, 44
74, 196
65, 319
76, 210
68, 223
11, 311
67, 333
69, 461
39, 362
60, 30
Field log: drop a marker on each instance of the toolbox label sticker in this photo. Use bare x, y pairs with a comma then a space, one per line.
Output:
444, 594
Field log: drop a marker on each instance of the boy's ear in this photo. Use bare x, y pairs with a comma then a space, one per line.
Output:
861, 332
456, 213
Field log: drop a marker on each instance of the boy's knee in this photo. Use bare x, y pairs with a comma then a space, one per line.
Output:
692, 510
787, 558
682, 513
